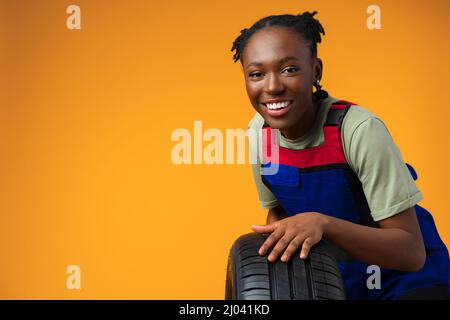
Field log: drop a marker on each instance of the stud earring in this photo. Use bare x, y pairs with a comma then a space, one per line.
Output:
317, 85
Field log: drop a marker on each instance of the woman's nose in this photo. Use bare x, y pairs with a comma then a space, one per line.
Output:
273, 85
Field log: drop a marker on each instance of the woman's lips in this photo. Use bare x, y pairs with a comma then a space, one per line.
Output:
277, 112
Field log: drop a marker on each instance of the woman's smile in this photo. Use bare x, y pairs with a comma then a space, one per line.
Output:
277, 108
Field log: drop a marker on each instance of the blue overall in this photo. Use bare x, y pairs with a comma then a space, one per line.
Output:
319, 179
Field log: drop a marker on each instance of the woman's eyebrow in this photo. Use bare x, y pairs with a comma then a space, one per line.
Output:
281, 61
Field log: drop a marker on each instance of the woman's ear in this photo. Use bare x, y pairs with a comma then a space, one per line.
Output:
318, 69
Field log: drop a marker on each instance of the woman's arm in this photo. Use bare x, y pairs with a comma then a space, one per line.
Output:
275, 214
397, 244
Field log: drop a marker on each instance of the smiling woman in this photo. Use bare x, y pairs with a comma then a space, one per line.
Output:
340, 175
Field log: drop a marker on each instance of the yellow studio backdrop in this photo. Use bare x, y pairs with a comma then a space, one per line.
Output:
86, 117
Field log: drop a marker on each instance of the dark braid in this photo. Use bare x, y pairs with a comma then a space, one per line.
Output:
304, 24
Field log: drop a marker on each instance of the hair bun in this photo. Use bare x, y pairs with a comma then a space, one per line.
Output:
307, 13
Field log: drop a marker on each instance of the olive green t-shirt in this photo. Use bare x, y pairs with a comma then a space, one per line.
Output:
370, 152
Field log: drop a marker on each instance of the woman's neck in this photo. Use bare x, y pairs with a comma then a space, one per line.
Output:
299, 131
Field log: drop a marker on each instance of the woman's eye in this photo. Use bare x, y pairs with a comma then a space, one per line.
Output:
255, 74
259, 74
291, 69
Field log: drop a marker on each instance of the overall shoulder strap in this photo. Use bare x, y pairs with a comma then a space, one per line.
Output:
333, 123
336, 115
337, 112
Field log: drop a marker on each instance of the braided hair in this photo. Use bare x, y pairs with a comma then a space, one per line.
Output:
304, 24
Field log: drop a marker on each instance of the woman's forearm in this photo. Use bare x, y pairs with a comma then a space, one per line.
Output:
390, 248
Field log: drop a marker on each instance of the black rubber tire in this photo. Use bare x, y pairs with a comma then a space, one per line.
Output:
252, 277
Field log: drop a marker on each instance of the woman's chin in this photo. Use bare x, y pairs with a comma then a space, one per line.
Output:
277, 124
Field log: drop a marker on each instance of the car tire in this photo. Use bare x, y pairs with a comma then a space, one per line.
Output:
252, 277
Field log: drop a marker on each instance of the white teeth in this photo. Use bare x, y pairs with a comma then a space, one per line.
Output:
278, 105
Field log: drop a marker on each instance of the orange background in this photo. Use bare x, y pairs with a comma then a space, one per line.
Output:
86, 117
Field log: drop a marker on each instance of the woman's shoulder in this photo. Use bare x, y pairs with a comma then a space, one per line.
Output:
358, 116
361, 130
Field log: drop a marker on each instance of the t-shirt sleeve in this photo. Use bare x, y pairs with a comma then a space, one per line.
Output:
387, 183
266, 198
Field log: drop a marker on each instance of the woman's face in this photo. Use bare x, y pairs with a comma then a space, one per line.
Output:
278, 67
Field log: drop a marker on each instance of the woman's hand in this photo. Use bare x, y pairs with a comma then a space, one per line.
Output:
287, 235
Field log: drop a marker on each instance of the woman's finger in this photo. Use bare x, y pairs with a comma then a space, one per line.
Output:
270, 241
280, 246
306, 247
265, 229
290, 250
